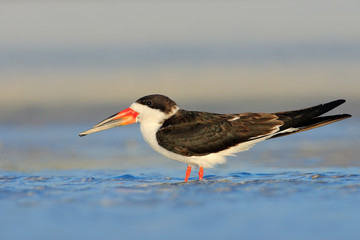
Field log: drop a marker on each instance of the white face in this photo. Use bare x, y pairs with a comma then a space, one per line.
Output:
147, 114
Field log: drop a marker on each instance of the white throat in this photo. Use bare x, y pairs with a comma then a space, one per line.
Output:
150, 121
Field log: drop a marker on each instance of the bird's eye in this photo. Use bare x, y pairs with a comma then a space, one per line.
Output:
148, 103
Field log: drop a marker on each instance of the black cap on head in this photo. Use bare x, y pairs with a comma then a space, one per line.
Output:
157, 101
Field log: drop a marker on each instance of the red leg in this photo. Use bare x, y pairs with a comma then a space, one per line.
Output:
188, 171
201, 173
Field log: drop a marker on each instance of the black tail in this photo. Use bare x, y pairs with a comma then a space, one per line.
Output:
308, 118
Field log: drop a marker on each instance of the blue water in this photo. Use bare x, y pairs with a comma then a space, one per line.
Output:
55, 185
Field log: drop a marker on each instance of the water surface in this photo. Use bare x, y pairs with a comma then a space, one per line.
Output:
55, 185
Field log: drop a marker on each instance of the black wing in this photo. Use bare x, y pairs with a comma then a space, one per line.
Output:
309, 118
199, 133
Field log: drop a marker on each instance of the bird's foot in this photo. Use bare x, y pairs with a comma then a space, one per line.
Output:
201, 173
188, 172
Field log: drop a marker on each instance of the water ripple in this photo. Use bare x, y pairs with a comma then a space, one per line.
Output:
145, 189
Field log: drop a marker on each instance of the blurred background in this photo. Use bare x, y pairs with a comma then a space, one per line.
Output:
65, 65
59, 59
74, 63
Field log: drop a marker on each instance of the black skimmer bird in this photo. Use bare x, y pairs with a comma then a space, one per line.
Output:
204, 139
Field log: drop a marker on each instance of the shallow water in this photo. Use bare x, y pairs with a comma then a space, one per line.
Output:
101, 204
55, 185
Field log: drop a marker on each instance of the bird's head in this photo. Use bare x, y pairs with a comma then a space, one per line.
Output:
152, 108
